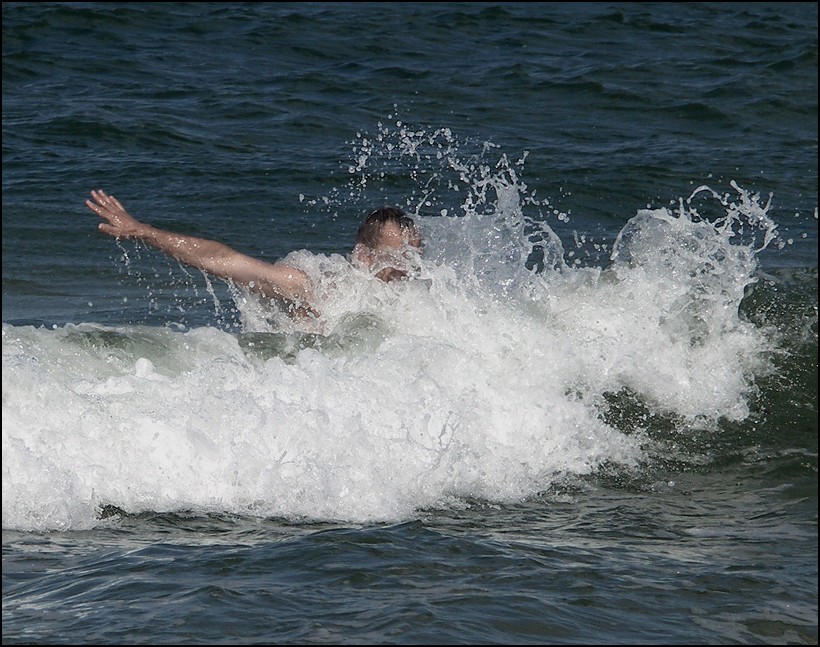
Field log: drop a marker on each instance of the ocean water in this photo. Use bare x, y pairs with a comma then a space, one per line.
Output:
590, 416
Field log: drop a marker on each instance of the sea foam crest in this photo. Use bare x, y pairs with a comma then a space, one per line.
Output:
486, 376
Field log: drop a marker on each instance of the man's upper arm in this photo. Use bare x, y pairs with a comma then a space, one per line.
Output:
273, 280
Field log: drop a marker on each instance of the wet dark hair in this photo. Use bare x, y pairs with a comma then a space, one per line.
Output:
369, 234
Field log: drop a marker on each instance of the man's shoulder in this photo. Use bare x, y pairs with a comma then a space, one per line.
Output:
315, 264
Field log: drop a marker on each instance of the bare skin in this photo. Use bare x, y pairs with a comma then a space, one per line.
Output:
393, 239
274, 280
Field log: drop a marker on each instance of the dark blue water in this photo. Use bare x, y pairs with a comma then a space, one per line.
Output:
590, 421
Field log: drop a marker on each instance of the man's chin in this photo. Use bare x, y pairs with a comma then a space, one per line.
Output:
390, 274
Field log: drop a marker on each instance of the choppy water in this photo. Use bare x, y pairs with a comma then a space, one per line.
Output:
591, 416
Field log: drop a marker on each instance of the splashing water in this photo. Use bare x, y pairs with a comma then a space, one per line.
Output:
486, 376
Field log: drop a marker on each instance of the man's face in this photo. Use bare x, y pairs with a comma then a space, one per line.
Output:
392, 258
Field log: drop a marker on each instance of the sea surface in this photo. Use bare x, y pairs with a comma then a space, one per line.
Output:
590, 414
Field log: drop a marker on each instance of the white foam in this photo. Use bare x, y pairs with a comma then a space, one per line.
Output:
480, 378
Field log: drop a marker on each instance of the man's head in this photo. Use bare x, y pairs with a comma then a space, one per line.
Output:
383, 240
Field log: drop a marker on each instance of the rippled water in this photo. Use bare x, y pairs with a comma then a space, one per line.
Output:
590, 417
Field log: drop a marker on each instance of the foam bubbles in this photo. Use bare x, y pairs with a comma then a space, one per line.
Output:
486, 376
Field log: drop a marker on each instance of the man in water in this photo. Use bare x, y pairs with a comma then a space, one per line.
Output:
383, 238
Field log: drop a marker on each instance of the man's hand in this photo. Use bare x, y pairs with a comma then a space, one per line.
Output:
120, 223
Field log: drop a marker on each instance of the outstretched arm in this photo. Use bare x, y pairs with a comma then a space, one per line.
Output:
273, 280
